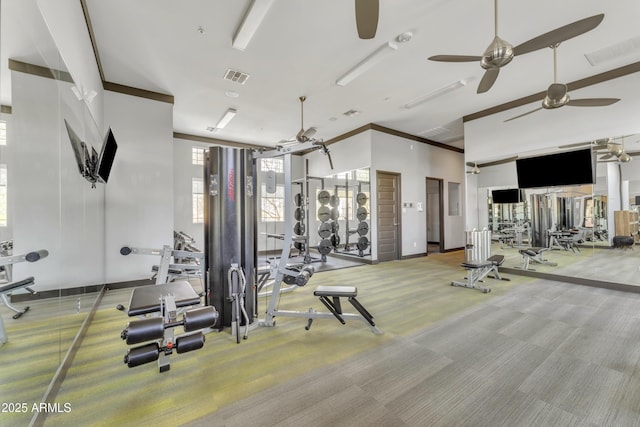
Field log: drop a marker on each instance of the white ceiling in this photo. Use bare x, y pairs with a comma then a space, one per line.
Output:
303, 46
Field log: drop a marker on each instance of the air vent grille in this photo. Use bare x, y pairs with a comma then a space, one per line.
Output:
615, 51
434, 131
236, 76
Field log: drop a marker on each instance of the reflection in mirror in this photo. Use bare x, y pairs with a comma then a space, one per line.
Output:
51, 221
580, 226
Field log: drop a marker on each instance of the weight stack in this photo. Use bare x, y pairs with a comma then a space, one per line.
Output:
229, 227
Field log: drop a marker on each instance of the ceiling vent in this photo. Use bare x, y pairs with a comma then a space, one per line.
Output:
351, 113
434, 131
614, 51
236, 76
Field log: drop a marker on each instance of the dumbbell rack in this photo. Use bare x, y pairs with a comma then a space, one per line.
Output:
301, 214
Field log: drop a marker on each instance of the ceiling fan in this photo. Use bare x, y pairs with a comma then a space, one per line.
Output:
500, 52
307, 135
557, 95
616, 152
475, 167
367, 12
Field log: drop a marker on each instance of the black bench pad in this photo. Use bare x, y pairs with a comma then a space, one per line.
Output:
336, 291
146, 299
16, 285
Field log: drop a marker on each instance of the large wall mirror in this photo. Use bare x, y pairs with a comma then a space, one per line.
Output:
45, 205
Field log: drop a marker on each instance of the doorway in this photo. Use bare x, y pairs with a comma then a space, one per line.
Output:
435, 215
388, 218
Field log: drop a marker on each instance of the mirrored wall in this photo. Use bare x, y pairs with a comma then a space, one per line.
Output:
48, 207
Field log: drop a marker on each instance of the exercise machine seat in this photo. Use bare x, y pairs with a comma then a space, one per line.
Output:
336, 291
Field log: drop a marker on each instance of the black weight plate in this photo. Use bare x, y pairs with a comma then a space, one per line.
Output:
325, 247
335, 227
361, 213
334, 201
363, 228
335, 214
361, 198
298, 214
324, 197
335, 240
299, 228
297, 199
363, 243
324, 213
324, 230
299, 246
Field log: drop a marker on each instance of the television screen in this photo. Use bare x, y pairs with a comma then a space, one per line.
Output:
107, 154
78, 147
566, 168
511, 195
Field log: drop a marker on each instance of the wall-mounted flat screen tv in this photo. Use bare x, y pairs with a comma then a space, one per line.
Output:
511, 195
107, 154
566, 168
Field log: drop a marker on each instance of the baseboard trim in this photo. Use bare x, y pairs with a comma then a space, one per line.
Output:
420, 255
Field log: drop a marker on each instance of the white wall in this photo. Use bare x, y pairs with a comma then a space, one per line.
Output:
415, 162
139, 199
52, 206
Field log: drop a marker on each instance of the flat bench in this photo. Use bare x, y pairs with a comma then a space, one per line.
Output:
330, 297
6, 290
536, 255
477, 271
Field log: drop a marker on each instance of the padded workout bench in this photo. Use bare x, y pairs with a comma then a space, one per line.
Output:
330, 297
6, 290
163, 301
476, 271
534, 255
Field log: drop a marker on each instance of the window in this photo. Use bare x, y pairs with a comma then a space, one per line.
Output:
3, 195
197, 191
197, 156
276, 165
272, 205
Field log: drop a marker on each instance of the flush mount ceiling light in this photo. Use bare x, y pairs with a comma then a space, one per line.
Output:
224, 121
367, 63
250, 22
436, 93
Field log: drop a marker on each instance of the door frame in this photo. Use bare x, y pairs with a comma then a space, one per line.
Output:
398, 178
440, 210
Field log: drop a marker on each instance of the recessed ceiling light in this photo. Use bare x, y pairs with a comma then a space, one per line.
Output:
231, 93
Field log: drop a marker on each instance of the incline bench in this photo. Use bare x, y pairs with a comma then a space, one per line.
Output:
476, 271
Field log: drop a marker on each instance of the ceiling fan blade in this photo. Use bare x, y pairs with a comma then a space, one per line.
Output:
592, 102
498, 162
558, 35
577, 144
525, 114
488, 79
634, 153
367, 12
606, 156
455, 58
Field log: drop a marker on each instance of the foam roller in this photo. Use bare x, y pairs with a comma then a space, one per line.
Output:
141, 355
199, 318
143, 330
187, 343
